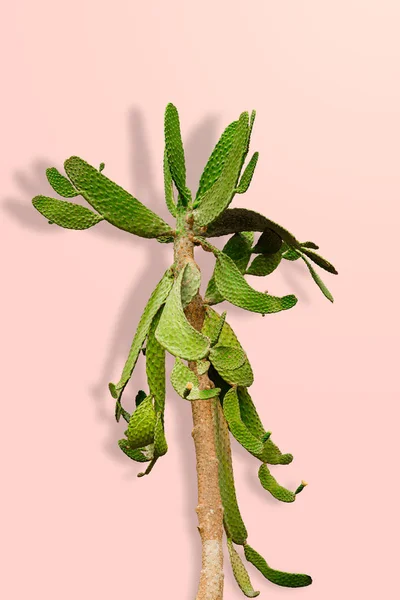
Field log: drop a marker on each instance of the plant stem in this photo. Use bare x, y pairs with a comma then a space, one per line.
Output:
209, 509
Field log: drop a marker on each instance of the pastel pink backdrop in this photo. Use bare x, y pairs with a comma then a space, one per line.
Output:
93, 79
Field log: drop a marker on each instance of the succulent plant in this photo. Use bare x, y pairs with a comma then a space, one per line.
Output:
211, 369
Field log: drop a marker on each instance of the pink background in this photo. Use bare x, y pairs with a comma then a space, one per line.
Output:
93, 79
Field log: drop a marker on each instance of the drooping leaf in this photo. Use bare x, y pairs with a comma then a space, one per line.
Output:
141, 425
160, 442
309, 245
264, 264
215, 163
216, 199
319, 260
234, 288
155, 365
226, 358
270, 484
234, 220
190, 283
292, 580
156, 300
269, 242
66, 214
318, 280
234, 525
117, 206
186, 384
175, 152
291, 254
217, 331
175, 333
247, 176
240, 573
133, 453
237, 427
60, 184
168, 187
238, 247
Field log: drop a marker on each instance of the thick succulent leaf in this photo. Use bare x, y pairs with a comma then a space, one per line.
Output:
240, 573
174, 331
60, 184
217, 331
234, 220
216, 199
175, 152
226, 359
269, 242
309, 245
141, 425
238, 247
273, 456
185, 383
247, 176
202, 366
270, 484
190, 283
234, 288
238, 429
116, 205
155, 365
292, 580
133, 453
197, 394
234, 525
291, 254
160, 442
168, 187
65, 214
157, 299
318, 280
264, 264
319, 260
215, 163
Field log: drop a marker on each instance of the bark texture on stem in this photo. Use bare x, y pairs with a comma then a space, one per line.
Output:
209, 509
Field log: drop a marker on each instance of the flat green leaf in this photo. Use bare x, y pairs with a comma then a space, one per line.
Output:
269, 242
174, 331
270, 484
141, 425
234, 525
215, 163
168, 187
190, 283
234, 220
216, 199
247, 176
155, 365
318, 280
65, 214
175, 152
156, 300
117, 206
319, 260
264, 264
60, 184
234, 288
237, 427
240, 573
202, 366
226, 358
292, 580
238, 247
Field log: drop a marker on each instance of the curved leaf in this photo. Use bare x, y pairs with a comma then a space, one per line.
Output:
155, 365
270, 484
269, 242
132, 453
292, 580
216, 199
291, 254
237, 427
247, 176
318, 280
60, 184
65, 214
264, 264
185, 383
190, 283
319, 260
175, 152
240, 573
168, 187
141, 425
116, 205
174, 331
160, 442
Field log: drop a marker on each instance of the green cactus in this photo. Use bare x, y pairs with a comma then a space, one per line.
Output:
176, 319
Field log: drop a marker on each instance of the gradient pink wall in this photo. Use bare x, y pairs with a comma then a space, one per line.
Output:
93, 79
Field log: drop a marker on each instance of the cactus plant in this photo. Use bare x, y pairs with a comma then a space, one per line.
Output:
211, 369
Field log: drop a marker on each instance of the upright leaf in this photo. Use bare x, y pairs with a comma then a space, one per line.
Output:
292, 580
168, 187
175, 152
174, 331
60, 184
247, 176
155, 365
216, 199
117, 206
65, 214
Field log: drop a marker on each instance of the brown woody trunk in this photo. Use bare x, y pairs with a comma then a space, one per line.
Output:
209, 509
